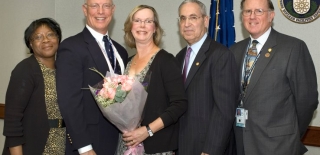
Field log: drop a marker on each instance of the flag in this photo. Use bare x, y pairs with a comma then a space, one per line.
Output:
221, 24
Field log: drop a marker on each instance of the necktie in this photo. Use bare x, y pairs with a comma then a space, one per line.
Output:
186, 63
251, 59
110, 53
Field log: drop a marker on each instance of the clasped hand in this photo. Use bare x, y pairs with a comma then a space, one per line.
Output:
135, 137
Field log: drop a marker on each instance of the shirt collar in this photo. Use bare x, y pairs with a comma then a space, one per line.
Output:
263, 38
98, 36
196, 47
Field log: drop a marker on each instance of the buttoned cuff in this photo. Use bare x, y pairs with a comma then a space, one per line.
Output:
85, 149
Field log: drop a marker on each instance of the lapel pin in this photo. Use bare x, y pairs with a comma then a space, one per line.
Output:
197, 63
267, 55
270, 50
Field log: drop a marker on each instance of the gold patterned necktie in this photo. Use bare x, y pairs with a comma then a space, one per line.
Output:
251, 59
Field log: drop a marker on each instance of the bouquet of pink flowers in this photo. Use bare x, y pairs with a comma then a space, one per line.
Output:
121, 99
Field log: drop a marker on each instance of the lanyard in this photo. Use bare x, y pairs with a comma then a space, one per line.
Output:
246, 77
117, 57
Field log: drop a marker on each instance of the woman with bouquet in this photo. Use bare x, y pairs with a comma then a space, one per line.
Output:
166, 100
33, 124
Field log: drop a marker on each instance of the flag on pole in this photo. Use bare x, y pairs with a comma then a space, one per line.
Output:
221, 24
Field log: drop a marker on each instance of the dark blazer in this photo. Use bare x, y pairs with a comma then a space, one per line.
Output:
84, 121
280, 99
26, 119
166, 99
212, 90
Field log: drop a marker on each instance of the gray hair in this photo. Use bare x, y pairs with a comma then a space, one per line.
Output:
270, 5
201, 5
85, 1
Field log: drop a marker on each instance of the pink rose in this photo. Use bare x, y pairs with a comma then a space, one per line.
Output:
103, 93
126, 87
111, 92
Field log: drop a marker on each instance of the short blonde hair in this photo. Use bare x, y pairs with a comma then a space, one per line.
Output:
128, 37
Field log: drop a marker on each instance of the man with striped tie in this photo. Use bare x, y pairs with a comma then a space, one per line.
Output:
211, 84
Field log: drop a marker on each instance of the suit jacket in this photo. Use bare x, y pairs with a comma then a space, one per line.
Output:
280, 98
166, 99
84, 121
211, 89
26, 119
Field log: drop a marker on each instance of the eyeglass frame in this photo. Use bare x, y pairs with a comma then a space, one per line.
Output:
139, 21
192, 18
254, 12
40, 37
95, 6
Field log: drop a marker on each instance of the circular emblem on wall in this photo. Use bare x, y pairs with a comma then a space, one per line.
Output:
300, 11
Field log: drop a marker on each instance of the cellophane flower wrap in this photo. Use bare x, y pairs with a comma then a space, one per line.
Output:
121, 99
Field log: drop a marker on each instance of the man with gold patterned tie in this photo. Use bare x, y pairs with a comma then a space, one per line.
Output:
278, 85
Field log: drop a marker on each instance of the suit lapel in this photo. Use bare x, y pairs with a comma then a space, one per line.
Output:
196, 64
95, 52
262, 61
180, 57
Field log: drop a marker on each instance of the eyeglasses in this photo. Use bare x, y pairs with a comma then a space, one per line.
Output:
257, 12
139, 21
40, 37
96, 6
192, 19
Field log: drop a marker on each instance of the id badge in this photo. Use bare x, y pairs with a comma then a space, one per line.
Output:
241, 117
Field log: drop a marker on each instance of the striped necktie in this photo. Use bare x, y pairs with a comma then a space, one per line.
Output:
186, 63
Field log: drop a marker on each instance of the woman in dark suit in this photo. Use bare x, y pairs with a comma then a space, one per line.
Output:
166, 100
33, 124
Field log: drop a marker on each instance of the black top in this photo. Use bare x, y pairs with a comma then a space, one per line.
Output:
167, 100
26, 120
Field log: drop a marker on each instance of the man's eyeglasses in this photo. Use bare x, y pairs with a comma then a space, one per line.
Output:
192, 19
96, 6
40, 37
257, 12
139, 21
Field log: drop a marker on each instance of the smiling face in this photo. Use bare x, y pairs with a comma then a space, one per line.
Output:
98, 18
257, 25
44, 43
192, 31
143, 26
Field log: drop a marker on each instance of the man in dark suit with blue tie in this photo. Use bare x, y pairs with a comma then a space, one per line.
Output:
88, 132
210, 84
279, 87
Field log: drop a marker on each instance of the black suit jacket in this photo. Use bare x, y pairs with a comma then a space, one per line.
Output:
212, 90
85, 123
281, 97
166, 99
26, 119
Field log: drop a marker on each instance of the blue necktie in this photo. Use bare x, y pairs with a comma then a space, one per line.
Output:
110, 53
109, 50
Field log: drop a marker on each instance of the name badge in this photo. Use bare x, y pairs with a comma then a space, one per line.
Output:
241, 117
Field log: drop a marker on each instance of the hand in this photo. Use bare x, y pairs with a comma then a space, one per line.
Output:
91, 152
136, 136
204, 153
16, 150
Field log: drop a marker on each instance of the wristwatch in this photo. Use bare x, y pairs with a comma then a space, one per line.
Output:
149, 131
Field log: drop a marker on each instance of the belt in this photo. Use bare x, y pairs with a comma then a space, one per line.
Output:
56, 123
